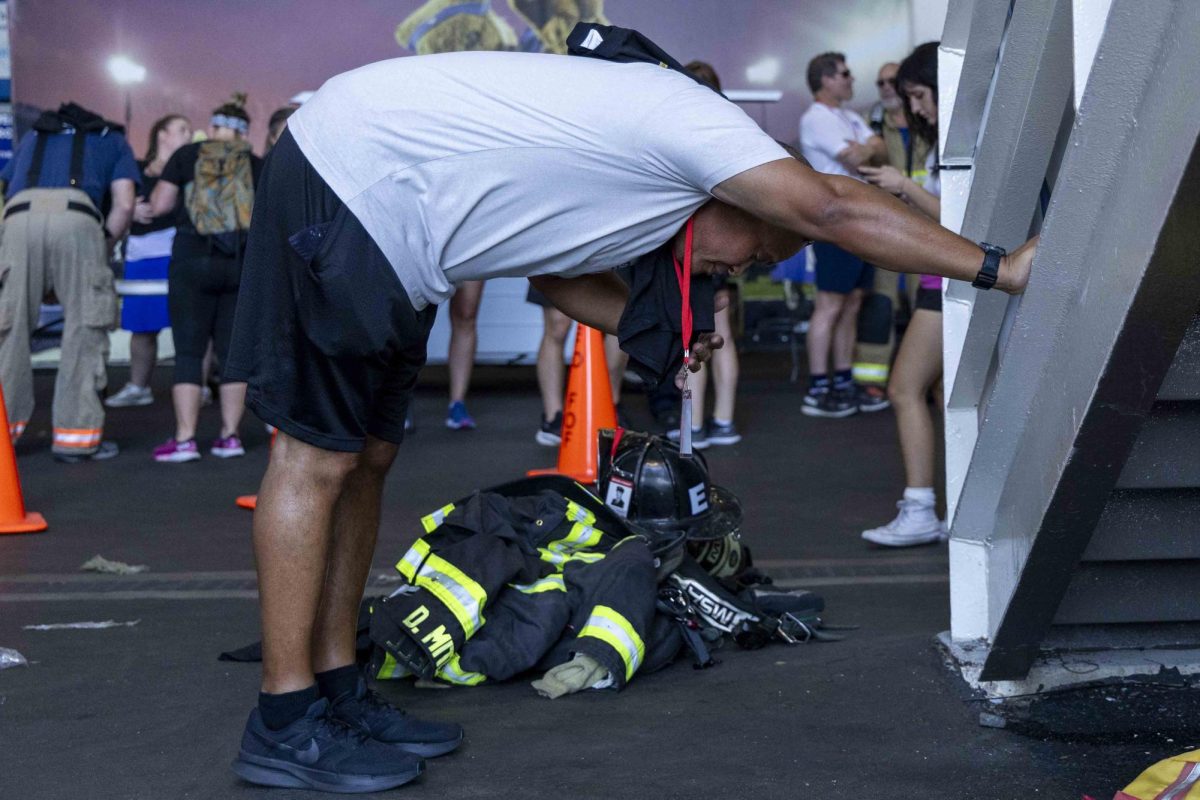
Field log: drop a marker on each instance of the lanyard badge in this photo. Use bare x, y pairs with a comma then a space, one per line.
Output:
683, 274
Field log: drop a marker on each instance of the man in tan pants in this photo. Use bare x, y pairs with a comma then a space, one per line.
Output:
55, 240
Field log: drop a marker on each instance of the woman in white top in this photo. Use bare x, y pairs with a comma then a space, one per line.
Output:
918, 367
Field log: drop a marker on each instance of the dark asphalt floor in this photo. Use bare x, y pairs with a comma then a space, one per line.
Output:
147, 711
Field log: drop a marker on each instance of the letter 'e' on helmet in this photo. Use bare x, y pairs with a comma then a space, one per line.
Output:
647, 481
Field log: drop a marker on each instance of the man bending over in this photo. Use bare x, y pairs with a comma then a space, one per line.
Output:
396, 182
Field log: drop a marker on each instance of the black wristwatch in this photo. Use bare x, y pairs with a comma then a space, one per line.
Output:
990, 270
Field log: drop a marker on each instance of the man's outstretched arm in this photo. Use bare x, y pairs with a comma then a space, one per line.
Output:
865, 221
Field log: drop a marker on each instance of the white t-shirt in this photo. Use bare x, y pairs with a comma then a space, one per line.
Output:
824, 132
476, 165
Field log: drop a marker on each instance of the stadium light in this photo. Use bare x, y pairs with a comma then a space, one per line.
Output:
124, 70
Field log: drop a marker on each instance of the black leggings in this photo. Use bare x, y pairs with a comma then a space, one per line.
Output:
201, 297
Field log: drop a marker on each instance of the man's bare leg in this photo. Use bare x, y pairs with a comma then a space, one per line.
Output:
293, 529
355, 529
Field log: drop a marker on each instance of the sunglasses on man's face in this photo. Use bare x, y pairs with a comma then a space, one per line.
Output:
844, 73
886, 82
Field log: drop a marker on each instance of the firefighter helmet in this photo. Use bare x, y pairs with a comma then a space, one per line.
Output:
647, 481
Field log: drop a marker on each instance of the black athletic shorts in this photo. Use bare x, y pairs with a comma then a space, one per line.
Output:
324, 334
929, 299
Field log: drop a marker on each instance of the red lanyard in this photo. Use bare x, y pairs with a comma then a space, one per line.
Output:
684, 275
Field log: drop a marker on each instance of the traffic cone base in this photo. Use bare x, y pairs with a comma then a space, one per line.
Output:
13, 516
250, 501
587, 408
31, 523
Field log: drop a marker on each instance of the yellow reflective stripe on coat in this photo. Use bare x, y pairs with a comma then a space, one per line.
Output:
560, 559
431, 522
453, 672
577, 513
413, 559
614, 630
584, 535
581, 537
391, 669
463, 596
551, 583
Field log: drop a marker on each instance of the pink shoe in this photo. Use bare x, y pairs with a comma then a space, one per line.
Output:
229, 447
173, 452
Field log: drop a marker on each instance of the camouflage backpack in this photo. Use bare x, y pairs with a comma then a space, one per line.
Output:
221, 197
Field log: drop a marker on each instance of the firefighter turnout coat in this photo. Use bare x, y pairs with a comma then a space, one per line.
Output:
500, 585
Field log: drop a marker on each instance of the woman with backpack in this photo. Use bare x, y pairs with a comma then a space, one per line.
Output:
211, 185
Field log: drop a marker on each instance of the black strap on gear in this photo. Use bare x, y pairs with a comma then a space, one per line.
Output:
33, 178
673, 602
77, 143
695, 643
83, 208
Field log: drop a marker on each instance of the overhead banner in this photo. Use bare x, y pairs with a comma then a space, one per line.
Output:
196, 54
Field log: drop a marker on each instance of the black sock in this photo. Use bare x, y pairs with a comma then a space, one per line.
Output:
843, 378
280, 710
818, 383
334, 683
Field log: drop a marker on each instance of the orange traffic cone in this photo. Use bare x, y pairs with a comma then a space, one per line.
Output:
250, 501
13, 517
587, 409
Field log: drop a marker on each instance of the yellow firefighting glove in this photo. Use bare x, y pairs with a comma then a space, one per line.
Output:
576, 675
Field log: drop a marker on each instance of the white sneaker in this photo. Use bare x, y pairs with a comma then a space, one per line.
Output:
206, 396
130, 395
915, 524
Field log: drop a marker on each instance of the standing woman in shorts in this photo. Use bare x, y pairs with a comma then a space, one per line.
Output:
147, 256
918, 367
206, 271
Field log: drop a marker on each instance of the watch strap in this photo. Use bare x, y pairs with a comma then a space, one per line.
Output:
990, 270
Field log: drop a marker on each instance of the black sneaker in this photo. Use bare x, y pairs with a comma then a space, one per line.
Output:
722, 434
105, 451
871, 398
550, 434
318, 751
371, 714
831, 403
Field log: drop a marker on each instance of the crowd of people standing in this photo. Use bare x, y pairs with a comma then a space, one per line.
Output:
165, 244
